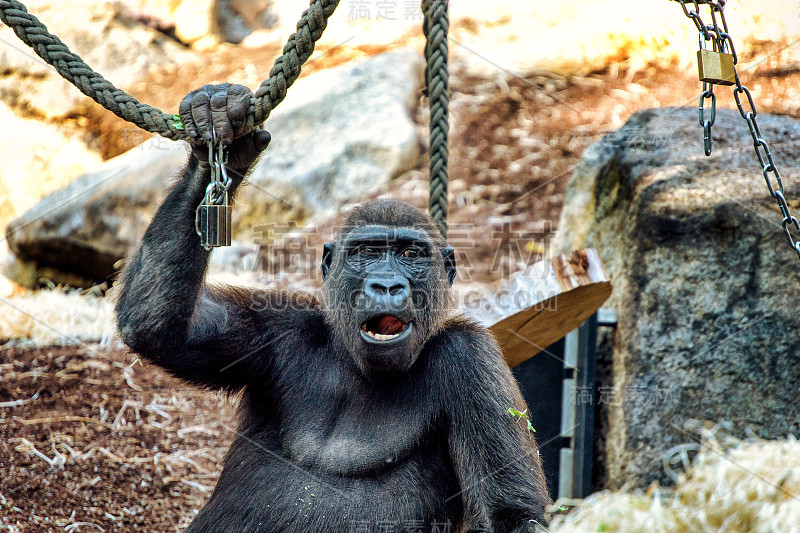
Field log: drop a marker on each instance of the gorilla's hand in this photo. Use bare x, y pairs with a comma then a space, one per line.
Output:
218, 113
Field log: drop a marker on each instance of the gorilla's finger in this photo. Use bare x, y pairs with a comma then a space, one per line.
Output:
261, 139
245, 150
185, 112
221, 121
238, 105
201, 113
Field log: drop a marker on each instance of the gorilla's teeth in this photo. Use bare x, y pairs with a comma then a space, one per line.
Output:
381, 337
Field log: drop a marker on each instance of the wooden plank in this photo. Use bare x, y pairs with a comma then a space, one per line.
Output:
568, 289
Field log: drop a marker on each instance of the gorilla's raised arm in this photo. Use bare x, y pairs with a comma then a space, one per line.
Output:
164, 312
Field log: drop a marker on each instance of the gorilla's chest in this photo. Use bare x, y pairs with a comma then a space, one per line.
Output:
356, 428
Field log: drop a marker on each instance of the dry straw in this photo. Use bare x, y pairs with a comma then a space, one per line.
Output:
751, 487
57, 317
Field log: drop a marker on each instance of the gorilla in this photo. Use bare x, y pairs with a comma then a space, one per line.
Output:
372, 406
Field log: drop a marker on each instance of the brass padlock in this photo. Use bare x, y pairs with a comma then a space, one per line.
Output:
215, 225
716, 67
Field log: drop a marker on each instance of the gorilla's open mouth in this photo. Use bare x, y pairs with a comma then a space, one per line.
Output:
384, 328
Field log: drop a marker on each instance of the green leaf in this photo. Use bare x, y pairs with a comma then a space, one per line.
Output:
521, 415
177, 122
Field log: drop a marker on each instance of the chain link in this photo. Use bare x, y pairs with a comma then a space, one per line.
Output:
220, 182
708, 93
717, 32
217, 190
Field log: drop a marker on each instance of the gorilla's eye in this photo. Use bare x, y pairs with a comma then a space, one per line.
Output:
370, 251
412, 252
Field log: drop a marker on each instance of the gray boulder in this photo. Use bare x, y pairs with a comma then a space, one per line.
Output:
340, 134
36, 158
705, 285
78, 232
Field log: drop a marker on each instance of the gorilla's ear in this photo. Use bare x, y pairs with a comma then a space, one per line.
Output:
449, 256
327, 259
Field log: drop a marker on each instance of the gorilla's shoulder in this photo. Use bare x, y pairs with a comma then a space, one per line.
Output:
456, 324
277, 305
285, 300
465, 353
461, 335
295, 315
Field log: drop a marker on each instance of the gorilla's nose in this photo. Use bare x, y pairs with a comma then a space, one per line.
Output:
394, 289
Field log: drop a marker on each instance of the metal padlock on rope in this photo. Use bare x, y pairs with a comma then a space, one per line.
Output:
213, 215
715, 66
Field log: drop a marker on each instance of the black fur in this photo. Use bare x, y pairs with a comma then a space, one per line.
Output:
335, 434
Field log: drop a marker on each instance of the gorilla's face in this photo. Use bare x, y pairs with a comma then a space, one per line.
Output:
386, 291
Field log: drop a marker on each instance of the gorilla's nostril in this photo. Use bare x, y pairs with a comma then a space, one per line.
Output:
382, 287
379, 288
394, 290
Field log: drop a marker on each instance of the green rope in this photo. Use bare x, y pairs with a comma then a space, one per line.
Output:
271, 92
435, 27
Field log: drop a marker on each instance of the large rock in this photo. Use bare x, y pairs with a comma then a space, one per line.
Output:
339, 134
36, 159
75, 235
705, 285
101, 33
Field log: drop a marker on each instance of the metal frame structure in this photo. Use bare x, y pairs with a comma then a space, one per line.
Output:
565, 372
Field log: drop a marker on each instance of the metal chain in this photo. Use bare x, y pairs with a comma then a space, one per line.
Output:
707, 123
217, 190
220, 182
717, 32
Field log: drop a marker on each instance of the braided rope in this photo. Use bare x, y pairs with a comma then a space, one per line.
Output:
271, 92
435, 27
